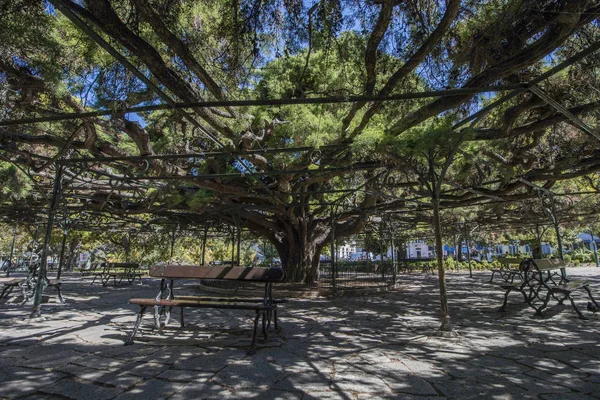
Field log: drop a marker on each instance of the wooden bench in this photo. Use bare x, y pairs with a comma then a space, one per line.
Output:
507, 272
544, 279
128, 271
265, 307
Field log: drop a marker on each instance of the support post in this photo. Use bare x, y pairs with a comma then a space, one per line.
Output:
172, 243
39, 289
445, 314
62, 253
561, 253
394, 265
12, 250
239, 245
128, 247
333, 269
204, 244
594, 247
232, 246
469, 257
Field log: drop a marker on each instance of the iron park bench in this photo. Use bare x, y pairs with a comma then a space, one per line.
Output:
508, 272
545, 279
28, 284
265, 307
120, 271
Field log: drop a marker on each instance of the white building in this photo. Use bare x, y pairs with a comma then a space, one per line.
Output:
419, 249
512, 249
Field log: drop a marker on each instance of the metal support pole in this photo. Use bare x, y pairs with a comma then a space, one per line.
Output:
172, 244
204, 244
232, 246
333, 269
33, 242
594, 248
469, 257
239, 244
12, 250
394, 264
39, 289
381, 251
62, 253
128, 248
561, 253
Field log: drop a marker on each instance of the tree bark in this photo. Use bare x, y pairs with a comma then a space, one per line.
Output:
435, 203
300, 250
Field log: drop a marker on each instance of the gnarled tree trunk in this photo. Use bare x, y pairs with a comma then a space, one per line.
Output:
300, 251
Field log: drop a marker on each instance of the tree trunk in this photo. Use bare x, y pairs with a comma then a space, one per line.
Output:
300, 260
72, 253
440, 263
300, 253
459, 253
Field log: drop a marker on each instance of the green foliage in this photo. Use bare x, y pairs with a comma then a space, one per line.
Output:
13, 182
200, 199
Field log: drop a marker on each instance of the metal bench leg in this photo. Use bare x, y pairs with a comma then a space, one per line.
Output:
254, 331
576, 308
269, 319
503, 307
589, 292
4, 291
264, 325
181, 320
138, 321
157, 317
167, 316
540, 310
60, 297
275, 320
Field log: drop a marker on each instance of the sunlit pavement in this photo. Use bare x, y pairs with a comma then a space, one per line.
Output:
346, 348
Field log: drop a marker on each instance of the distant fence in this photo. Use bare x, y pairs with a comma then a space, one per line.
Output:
357, 274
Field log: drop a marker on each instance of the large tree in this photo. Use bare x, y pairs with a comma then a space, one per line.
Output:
70, 57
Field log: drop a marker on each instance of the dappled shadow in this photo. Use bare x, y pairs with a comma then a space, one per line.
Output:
342, 348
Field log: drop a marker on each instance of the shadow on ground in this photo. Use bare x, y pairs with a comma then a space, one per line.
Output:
344, 348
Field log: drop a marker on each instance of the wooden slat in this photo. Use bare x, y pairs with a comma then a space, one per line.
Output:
200, 304
549, 264
123, 265
507, 261
217, 272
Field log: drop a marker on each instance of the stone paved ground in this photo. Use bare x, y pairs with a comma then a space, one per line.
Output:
345, 348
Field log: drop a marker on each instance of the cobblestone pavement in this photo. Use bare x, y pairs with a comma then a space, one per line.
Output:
346, 348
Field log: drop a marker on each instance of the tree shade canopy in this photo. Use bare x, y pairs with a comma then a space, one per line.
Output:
507, 111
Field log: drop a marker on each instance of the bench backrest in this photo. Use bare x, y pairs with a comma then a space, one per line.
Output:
510, 261
259, 274
122, 265
550, 264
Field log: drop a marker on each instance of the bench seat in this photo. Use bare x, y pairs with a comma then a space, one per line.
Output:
231, 299
200, 304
